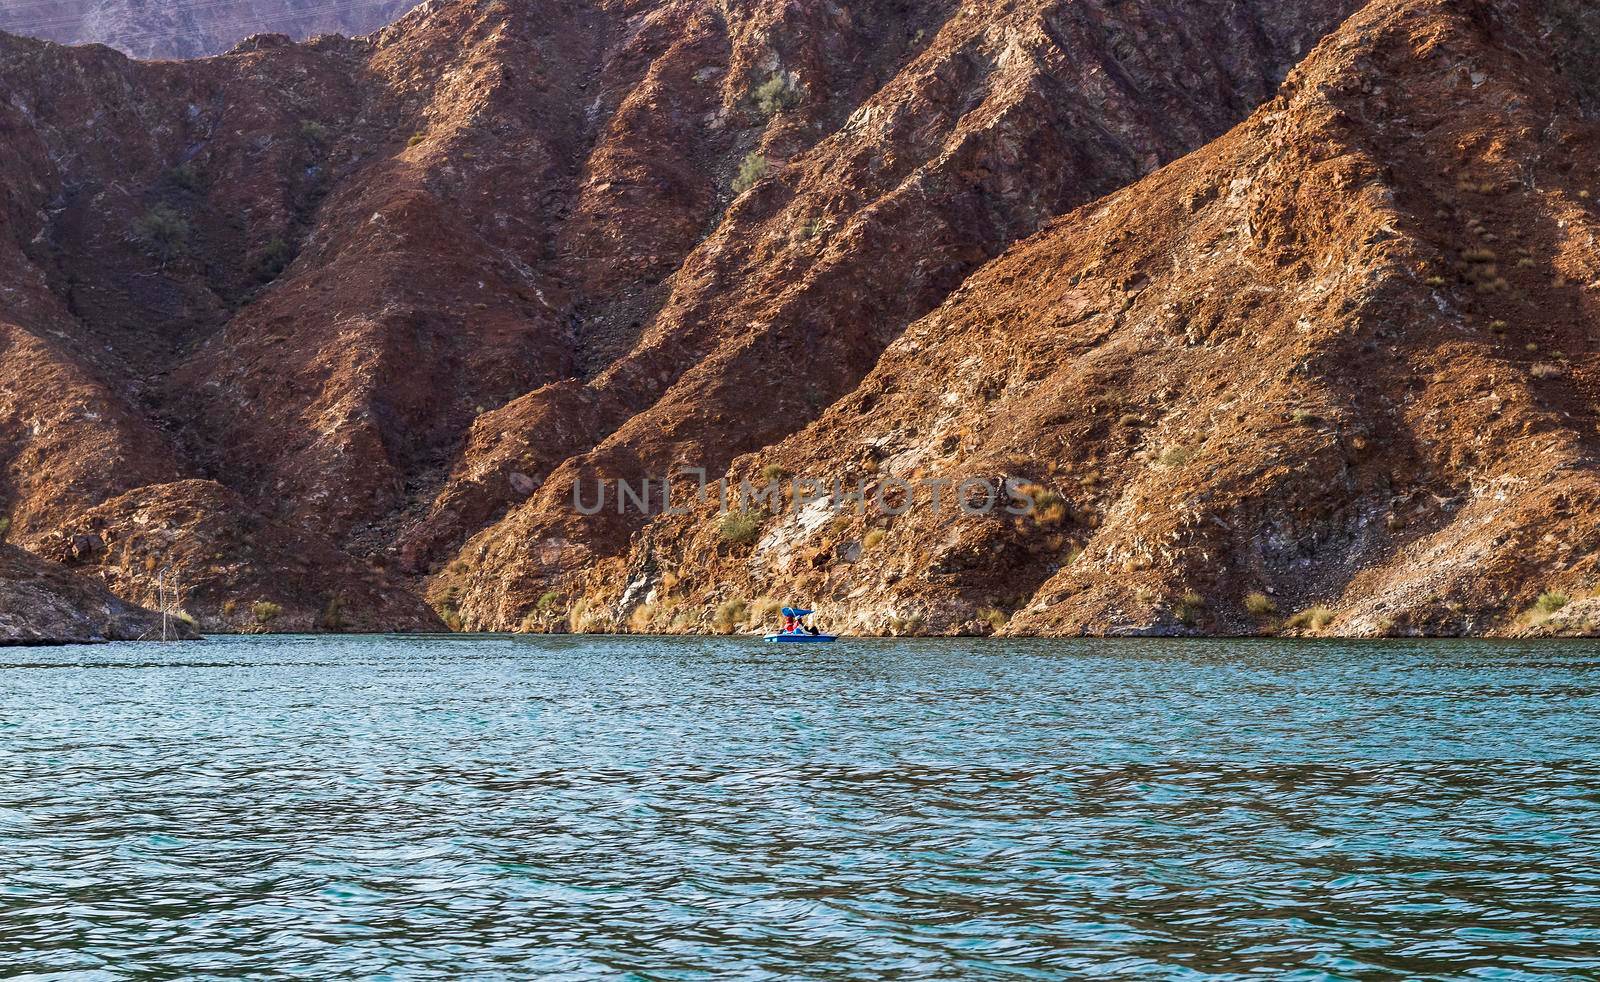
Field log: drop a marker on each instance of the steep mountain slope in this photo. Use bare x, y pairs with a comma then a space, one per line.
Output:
285, 316
1014, 113
140, 204
191, 28
1343, 360
43, 603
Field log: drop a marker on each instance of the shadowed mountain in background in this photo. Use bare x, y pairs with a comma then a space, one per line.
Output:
1273, 319
190, 28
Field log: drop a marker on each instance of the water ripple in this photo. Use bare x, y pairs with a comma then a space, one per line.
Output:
419, 808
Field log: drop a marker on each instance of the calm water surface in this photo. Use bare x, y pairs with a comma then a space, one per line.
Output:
474, 808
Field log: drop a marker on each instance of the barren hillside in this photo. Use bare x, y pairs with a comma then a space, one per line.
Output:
1339, 363
334, 326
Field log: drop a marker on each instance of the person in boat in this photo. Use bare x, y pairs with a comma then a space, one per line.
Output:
812, 630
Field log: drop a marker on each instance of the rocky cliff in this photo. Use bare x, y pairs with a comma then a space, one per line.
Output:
1245, 304
1334, 372
191, 28
43, 603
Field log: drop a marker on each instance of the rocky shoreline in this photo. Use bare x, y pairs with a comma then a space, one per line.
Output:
43, 604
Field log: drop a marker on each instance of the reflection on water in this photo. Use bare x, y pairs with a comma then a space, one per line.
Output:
480, 807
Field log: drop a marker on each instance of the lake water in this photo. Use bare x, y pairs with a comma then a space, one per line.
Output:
483, 807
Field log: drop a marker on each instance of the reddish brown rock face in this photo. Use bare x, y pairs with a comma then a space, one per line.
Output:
1005, 116
1340, 358
335, 324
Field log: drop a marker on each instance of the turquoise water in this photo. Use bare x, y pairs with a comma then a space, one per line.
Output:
479, 808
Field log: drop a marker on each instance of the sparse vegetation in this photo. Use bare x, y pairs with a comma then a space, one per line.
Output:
995, 618
1260, 605
587, 618
1189, 608
1550, 602
163, 231
313, 132
752, 169
187, 176
779, 92
1049, 508
1304, 417
5, 527
1483, 272
741, 526
449, 608
766, 609
273, 259
333, 615
643, 619
729, 616
774, 472
905, 626
416, 140
265, 612
1316, 618
547, 601
872, 539
1174, 457
1546, 370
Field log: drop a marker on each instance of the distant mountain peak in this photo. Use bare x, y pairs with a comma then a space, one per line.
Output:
191, 28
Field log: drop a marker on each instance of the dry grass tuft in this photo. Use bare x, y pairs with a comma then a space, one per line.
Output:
1315, 618
1260, 605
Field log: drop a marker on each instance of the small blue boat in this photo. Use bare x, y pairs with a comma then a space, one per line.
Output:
797, 616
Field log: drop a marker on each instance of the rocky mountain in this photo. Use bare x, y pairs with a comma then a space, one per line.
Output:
1241, 292
41, 602
1338, 364
191, 28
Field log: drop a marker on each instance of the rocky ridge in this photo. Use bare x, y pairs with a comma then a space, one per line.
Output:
1333, 373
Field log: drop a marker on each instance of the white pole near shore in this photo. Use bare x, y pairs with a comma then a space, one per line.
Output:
170, 597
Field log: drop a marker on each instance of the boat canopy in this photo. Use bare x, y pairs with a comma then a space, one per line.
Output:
795, 612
